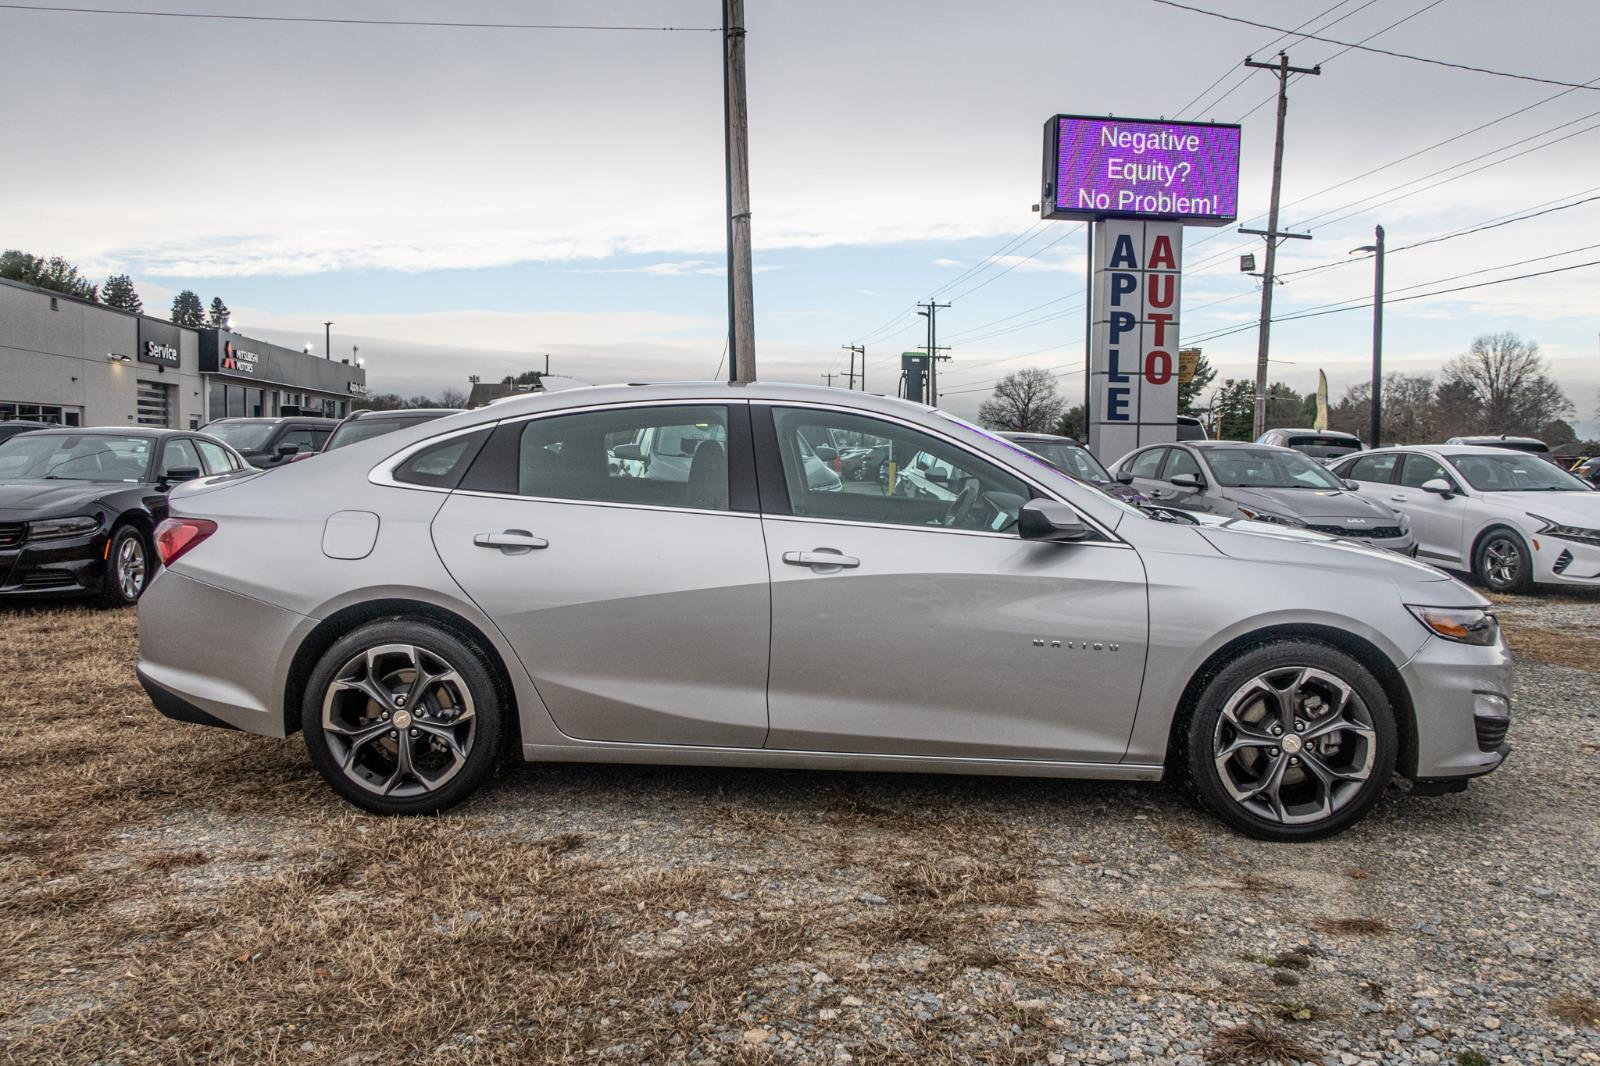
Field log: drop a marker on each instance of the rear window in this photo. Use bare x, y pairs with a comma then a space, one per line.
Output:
1302, 440
441, 465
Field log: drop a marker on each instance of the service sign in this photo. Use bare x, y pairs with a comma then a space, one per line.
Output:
159, 343
1136, 168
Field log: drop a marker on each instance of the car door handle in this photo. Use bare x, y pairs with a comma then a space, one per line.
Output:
822, 557
511, 541
1399, 496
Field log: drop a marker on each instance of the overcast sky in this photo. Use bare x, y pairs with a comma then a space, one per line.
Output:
462, 201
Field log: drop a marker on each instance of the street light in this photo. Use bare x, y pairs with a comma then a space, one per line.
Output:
327, 335
1376, 251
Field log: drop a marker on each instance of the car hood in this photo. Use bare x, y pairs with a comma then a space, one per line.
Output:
1269, 543
1314, 503
36, 498
1566, 508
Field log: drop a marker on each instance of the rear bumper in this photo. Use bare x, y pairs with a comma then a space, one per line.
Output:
1462, 699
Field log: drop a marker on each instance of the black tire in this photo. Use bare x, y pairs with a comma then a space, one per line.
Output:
116, 587
1502, 562
456, 739
1271, 816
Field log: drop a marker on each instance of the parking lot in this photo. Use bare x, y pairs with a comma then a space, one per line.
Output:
175, 893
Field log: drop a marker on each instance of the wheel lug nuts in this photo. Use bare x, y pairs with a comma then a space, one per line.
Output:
1293, 761
1273, 752
385, 716
413, 732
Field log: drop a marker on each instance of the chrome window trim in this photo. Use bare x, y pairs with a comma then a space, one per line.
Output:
904, 528
565, 501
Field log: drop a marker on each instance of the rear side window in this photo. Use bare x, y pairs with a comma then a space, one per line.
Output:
441, 466
1378, 468
655, 456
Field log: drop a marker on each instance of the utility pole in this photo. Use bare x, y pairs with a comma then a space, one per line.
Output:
932, 314
736, 153
546, 364
1268, 279
855, 350
1376, 249
830, 376
327, 341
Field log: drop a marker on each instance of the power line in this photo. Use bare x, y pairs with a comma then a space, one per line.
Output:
1356, 45
1234, 68
329, 21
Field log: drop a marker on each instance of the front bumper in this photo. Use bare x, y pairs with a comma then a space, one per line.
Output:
1462, 698
59, 566
1564, 562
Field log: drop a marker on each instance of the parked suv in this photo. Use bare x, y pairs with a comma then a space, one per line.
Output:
1323, 445
1531, 445
364, 425
268, 442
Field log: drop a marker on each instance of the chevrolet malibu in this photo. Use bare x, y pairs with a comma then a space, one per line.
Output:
420, 602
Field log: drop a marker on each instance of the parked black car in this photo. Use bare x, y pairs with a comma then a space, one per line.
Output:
269, 442
79, 507
11, 427
364, 425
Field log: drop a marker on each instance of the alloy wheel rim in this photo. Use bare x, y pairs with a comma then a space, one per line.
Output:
399, 720
130, 568
1501, 562
1294, 745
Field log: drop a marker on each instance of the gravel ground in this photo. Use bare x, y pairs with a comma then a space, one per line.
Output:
172, 894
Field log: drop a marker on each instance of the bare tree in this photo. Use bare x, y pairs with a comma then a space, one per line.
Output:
1511, 383
1023, 402
452, 397
1411, 414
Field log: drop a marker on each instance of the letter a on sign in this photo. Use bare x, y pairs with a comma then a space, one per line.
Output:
1161, 257
1123, 255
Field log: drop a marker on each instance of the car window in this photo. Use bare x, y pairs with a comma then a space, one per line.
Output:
1146, 463
1071, 459
1180, 461
1512, 471
179, 454
75, 457
442, 465
919, 479
680, 459
1268, 468
217, 459
1378, 468
1420, 468
300, 438
319, 437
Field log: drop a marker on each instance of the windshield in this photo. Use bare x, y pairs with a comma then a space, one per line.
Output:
367, 428
1514, 472
1268, 468
75, 457
244, 436
1071, 460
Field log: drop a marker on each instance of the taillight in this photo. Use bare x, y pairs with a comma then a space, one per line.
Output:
175, 536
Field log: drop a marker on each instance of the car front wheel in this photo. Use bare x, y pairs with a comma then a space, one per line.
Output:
128, 567
1503, 563
403, 717
1292, 740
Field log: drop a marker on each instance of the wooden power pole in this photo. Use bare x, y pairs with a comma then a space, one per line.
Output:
736, 151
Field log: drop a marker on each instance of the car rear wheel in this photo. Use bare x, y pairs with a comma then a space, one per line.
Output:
1502, 562
1292, 740
128, 567
403, 717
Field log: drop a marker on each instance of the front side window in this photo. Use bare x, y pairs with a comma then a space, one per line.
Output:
1268, 468
301, 439
179, 455
1146, 464
1421, 468
651, 456
243, 436
1181, 462
1514, 472
902, 476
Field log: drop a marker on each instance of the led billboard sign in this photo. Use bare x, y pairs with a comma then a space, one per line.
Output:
1097, 168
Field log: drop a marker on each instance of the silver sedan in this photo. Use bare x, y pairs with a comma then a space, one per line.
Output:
418, 603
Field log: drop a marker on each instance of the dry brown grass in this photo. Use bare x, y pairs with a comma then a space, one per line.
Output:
1351, 926
1577, 1009
1254, 1044
1145, 934
1578, 647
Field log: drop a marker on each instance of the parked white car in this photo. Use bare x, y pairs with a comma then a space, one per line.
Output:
1511, 518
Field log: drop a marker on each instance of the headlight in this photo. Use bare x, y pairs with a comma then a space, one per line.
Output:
1267, 516
1464, 625
62, 527
1405, 521
1556, 529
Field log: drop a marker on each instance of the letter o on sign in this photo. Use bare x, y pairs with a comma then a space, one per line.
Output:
1158, 368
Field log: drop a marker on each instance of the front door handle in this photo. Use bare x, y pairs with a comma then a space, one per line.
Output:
1399, 496
822, 559
511, 541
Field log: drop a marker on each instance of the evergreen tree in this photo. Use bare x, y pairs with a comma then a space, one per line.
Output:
54, 273
219, 314
187, 309
118, 292
1190, 392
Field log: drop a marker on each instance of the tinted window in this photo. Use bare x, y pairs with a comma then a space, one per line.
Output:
218, 461
301, 439
920, 480
442, 465
1420, 468
179, 454
1147, 463
1378, 468
657, 456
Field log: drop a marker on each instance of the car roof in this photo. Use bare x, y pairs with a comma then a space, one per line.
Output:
274, 419
407, 412
117, 431
1040, 438
1318, 432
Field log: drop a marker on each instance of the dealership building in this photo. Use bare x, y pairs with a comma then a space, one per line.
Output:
72, 362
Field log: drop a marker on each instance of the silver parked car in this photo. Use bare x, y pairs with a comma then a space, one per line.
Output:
418, 602
1264, 484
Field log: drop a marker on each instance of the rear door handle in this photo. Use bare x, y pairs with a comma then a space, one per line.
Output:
822, 557
511, 541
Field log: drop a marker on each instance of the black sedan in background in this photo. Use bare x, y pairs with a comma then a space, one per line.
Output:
79, 507
11, 427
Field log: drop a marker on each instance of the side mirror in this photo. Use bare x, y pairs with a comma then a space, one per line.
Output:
1439, 486
628, 451
286, 450
1123, 478
1350, 486
1193, 482
937, 475
1049, 520
177, 475
825, 453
